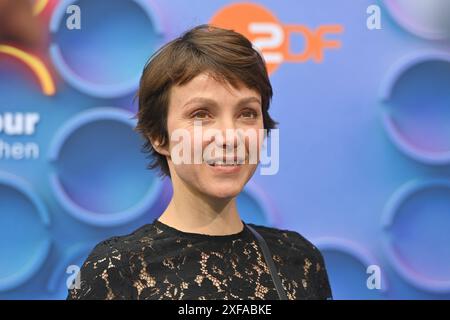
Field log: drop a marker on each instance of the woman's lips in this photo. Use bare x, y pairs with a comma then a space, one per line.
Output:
228, 169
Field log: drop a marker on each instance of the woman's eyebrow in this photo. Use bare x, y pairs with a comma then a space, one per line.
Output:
248, 100
201, 100
209, 101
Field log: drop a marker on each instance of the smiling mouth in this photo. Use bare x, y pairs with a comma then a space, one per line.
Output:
220, 163
224, 164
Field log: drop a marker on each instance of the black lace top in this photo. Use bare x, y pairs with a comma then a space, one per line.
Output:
160, 262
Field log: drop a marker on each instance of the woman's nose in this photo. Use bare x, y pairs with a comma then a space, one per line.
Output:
228, 137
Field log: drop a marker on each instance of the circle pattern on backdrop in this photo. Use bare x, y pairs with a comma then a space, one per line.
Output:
98, 68
97, 182
426, 19
23, 222
416, 224
418, 124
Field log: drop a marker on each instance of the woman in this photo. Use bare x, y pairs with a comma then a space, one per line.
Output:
199, 248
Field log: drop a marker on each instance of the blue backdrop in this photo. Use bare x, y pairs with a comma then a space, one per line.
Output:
364, 141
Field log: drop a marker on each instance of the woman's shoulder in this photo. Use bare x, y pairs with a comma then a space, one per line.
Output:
126, 243
105, 274
286, 239
291, 250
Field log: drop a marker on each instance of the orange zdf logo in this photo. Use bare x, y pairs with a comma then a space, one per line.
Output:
272, 38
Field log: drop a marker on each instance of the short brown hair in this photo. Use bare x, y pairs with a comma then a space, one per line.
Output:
226, 55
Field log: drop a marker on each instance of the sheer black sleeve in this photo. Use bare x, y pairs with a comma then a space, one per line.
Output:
104, 275
313, 274
320, 277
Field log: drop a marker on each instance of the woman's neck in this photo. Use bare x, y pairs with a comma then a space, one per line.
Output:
190, 211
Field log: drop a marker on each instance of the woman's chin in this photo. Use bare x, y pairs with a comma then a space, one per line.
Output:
224, 191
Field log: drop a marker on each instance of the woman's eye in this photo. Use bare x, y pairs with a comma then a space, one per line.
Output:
249, 114
200, 115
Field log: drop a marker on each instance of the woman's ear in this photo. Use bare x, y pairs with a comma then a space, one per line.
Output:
157, 146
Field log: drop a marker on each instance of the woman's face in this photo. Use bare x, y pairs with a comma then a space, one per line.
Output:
216, 111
